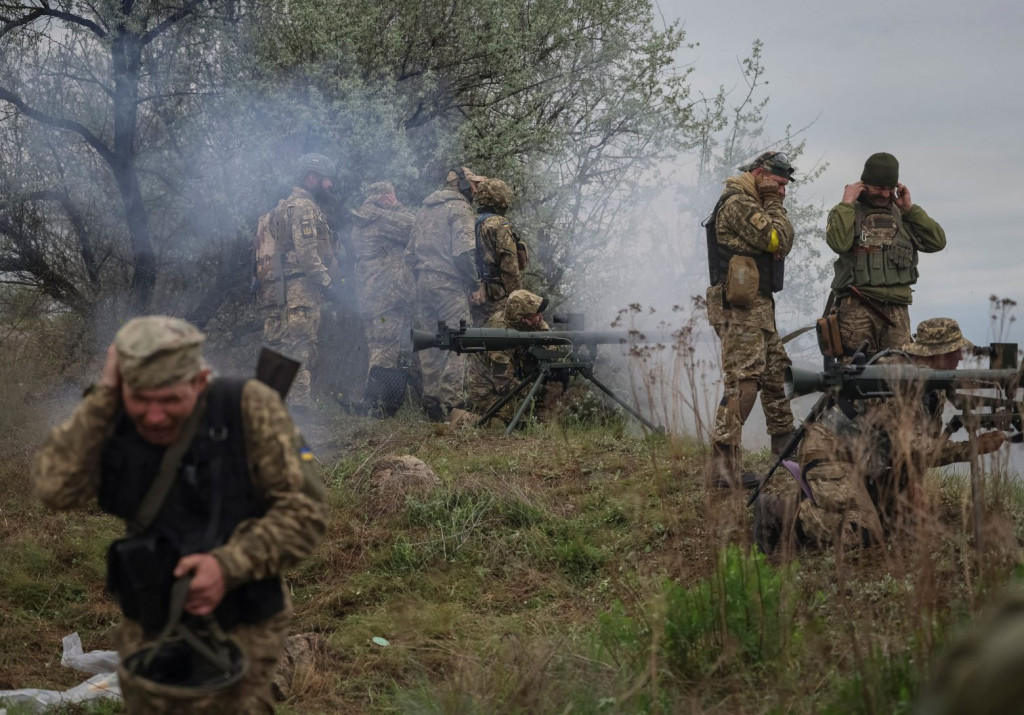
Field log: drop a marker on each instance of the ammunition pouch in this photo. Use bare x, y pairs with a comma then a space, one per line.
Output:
741, 281
522, 255
829, 341
140, 573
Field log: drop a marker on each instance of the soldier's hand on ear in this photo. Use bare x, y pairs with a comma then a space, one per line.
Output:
111, 376
207, 588
852, 191
902, 200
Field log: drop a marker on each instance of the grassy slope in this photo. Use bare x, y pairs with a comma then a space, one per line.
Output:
557, 570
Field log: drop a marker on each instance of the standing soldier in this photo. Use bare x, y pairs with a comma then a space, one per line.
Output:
878, 231
219, 495
379, 239
295, 267
749, 236
442, 255
500, 256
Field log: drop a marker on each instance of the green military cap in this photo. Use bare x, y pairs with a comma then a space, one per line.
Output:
881, 169
158, 350
936, 336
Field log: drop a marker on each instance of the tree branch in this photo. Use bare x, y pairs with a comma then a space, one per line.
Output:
169, 21
59, 123
36, 13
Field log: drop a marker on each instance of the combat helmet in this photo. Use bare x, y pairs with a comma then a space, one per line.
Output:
494, 194
191, 658
318, 164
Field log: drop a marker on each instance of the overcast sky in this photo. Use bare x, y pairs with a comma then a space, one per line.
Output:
935, 83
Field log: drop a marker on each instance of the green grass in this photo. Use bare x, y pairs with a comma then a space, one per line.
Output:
563, 569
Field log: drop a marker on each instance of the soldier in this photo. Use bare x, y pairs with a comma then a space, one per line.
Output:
492, 373
295, 268
862, 462
500, 255
749, 236
442, 254
380, 236
877, 230
215, 485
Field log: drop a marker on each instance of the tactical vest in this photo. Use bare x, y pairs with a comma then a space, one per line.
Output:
771, 272
211, 495
884, 252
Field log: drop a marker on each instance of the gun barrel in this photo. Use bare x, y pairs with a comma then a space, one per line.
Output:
482, 339
859, 382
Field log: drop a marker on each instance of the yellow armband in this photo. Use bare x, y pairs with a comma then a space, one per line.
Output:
773, 243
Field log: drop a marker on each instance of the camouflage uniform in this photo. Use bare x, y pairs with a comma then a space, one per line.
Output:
441, 255
67, 474
863, 467
497, 255
294, 239
880, 260
379, 238
492, 373
753, 357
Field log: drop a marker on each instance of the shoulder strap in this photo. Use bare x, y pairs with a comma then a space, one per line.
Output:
858, 219
161, 486
481, 269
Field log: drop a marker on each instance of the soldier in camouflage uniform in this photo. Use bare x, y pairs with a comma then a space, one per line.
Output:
878, 231
864, 463
155, 398
497, 249
380, 235
492, 373
442, 256
295, 271
749, 223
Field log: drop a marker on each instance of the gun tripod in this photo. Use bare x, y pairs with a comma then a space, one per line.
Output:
550, 362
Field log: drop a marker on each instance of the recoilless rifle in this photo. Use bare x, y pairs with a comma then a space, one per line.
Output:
844, 385
557, 354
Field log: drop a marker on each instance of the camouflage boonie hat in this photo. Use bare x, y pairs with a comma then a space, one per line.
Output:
521, 303
774, 162
157, 350
318, 164
937, 336
379, 188
470, 176
494, 194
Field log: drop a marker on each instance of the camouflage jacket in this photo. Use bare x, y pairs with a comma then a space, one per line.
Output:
443, 239
66, 473
745, 226
297, 229
379, 239
498, 258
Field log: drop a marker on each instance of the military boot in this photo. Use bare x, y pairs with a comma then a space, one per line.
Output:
779, 442
722, 466
769, 519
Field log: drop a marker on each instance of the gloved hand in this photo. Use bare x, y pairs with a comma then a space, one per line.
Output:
768, 190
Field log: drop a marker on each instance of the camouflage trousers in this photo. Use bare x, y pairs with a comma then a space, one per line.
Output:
292, 330
858, 323
751, 355
492, 375
262, 643
443, 371
387, 334
841, 512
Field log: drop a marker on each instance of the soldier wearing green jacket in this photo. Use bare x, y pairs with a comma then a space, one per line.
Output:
878, 232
